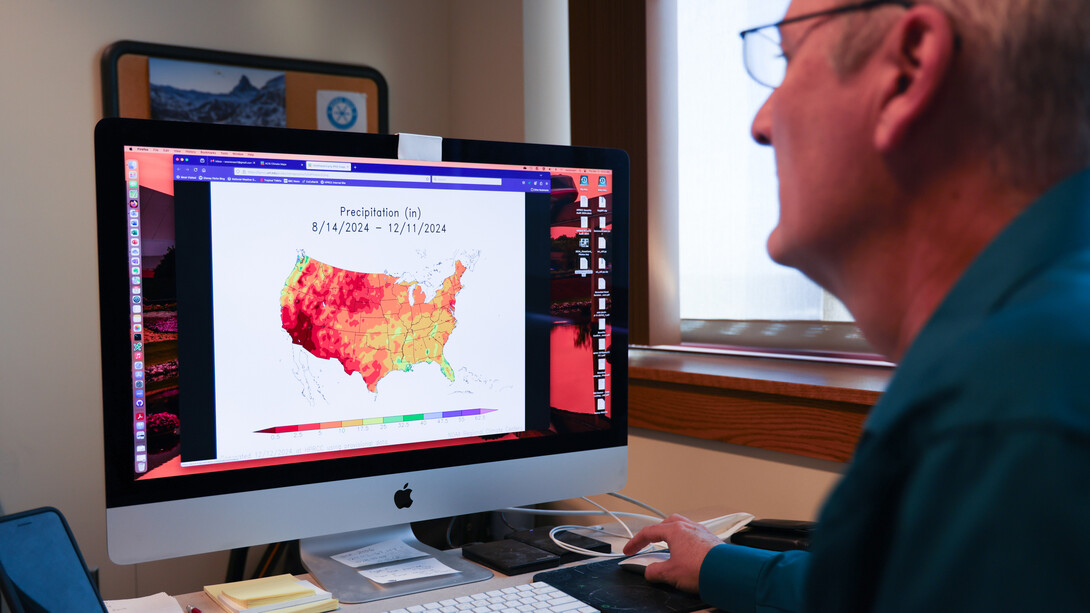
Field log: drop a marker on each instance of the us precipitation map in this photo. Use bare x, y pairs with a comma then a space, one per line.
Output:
372, 323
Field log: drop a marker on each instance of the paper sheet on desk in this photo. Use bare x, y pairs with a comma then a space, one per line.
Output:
156, 603
392, 550
417, 569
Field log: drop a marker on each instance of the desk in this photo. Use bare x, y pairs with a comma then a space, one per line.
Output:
498, 581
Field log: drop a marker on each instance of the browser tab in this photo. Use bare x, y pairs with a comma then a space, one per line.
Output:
313, 165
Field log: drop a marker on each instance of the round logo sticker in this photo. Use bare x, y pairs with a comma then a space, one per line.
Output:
341, 113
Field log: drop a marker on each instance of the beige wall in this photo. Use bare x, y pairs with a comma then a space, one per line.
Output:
451, 72
679, 474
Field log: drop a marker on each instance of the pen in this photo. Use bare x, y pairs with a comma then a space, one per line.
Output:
192, 609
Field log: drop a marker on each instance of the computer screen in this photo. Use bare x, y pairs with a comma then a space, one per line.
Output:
303, 333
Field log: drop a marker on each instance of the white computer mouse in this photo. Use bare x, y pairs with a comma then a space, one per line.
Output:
639, 562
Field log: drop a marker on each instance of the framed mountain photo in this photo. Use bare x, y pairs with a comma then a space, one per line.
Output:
150, 81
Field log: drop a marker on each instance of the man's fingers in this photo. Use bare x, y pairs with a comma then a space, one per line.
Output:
670, 527
645, 537
657, 572
689, 542
671, 572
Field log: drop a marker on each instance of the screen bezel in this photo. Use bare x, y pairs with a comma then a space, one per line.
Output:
112, 135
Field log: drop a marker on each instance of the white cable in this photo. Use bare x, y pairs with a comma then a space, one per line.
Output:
567, 547
627, 530
586, 552
606, 532
575, 513
638, 503
722, 527
616, 515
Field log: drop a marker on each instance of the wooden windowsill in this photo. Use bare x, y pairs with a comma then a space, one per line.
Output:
814, 409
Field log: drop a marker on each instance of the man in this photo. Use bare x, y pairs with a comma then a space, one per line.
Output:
932, 161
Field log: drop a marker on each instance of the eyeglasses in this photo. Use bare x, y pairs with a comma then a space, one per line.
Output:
761, 50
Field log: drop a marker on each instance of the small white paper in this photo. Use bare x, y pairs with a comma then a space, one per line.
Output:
419, 147
416, 569
392, 550
156, 603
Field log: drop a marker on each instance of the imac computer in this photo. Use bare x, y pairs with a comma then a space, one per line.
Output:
307, 334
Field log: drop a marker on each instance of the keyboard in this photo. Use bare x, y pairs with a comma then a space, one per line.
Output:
526, 598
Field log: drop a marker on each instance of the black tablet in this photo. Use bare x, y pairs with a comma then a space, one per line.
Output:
41, 568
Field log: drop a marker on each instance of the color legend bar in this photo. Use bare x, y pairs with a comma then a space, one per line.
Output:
374, 421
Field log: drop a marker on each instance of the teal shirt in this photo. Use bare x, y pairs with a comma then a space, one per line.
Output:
970, 488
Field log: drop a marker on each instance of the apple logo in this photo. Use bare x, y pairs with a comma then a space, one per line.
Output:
403, 498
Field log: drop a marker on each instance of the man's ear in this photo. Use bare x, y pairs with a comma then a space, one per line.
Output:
918, 55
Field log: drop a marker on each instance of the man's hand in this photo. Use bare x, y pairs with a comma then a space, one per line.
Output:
689, 542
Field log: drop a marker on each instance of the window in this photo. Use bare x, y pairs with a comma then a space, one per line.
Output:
730, 291
700, 276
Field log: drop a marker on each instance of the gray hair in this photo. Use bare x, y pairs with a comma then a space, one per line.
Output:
1027, 78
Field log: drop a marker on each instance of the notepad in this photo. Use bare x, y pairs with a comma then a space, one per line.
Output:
267, 590
278, 593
